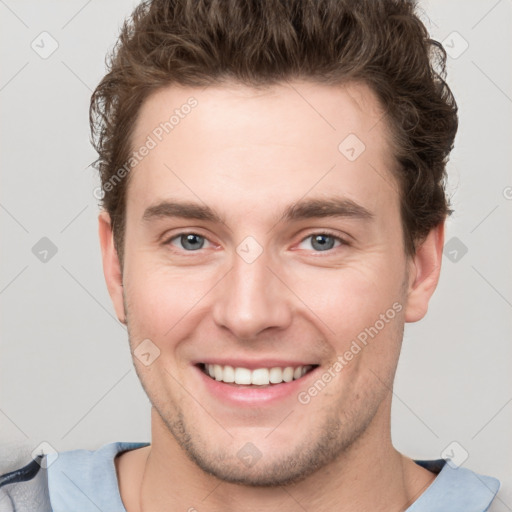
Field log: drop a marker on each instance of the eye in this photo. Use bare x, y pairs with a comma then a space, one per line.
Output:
188, 241
322, 242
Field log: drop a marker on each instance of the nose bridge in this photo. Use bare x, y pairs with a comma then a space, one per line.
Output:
251, 298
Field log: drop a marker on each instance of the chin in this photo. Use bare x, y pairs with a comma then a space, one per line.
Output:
286, 470
243, 463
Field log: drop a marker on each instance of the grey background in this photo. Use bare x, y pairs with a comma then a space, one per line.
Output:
66, 376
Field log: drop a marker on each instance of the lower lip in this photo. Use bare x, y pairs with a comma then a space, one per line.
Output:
255, 395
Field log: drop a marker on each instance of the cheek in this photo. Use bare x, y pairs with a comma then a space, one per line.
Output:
162, 301
348, 300
155, 301
152, 306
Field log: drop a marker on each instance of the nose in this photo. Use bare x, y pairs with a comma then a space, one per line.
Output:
252, 297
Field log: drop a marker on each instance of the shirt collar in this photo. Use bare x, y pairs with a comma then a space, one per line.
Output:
87, 481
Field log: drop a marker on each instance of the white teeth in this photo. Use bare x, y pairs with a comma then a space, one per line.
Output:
242, 376
258, 377
229, 374
275, 375
288, 374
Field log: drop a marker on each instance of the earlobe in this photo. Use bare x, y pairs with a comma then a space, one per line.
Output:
111, 265
425, 268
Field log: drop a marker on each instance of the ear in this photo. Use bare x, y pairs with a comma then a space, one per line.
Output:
424, 270
111, 265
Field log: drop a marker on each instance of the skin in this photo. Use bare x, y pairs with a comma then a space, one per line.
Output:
248, 154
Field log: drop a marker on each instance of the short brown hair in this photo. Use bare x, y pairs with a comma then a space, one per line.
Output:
382, 43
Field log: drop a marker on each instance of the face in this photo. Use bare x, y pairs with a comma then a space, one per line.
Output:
264, 247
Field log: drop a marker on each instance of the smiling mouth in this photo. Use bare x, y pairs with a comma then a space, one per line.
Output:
259, 377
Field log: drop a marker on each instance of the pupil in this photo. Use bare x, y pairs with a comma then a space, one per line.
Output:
191, 241
325, 242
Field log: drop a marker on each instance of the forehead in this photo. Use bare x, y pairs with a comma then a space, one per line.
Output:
237, 144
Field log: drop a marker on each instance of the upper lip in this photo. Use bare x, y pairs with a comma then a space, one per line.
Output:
252, 364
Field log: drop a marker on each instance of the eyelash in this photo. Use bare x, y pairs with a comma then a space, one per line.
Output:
343, 242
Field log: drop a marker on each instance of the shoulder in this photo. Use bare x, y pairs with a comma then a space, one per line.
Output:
81, 479
455, 488
25, 488
61, 480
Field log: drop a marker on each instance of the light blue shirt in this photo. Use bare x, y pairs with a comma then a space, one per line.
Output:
86, 481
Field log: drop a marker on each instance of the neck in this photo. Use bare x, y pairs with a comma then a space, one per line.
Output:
370, 474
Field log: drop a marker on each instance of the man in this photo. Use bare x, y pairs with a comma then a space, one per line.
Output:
273, 214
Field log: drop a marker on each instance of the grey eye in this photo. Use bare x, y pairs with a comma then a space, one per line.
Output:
322, 242
190, 241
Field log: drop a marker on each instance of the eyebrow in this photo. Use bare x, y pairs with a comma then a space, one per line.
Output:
303, 209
